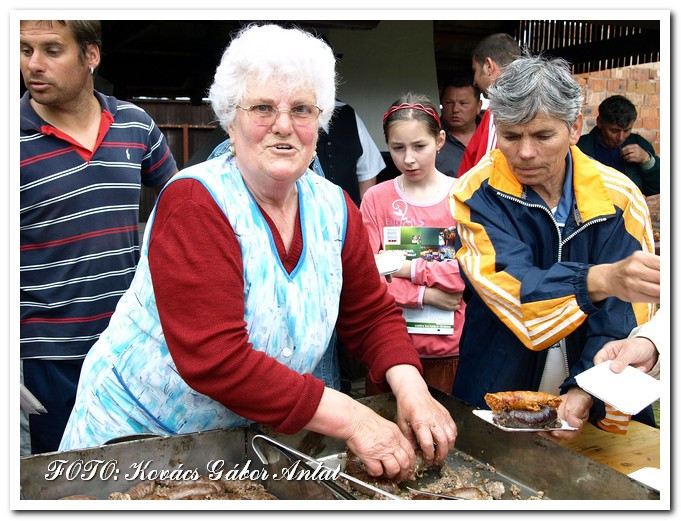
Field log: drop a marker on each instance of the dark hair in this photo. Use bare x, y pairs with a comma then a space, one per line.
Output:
459, 79
501, 47
429, 116
617, 110
85, 32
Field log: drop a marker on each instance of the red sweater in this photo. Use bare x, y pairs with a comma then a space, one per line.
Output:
479, 144
197, 272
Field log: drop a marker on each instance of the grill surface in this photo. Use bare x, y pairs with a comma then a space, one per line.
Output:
524, 460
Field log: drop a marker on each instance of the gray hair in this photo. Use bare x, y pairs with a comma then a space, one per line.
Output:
534, 84
293, 58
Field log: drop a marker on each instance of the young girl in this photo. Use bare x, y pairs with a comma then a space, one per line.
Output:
411, 213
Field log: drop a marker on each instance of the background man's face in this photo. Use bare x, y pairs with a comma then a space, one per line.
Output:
481, 76
613, 135
460, 107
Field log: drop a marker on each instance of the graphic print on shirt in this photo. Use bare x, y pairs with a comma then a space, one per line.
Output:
400, 208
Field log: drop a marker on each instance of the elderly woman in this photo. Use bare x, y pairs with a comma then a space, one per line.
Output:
248, 263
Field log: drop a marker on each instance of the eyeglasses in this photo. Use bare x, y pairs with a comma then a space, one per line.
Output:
265, 115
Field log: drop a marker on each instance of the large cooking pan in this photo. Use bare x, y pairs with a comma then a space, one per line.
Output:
116, 466
524, 460
536, 466
123, 462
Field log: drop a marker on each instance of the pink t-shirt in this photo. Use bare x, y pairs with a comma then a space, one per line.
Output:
386, 205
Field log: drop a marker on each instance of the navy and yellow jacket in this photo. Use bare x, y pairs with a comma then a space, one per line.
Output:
526, 282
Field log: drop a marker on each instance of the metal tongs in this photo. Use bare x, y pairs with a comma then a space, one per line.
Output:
433, 494
314, 464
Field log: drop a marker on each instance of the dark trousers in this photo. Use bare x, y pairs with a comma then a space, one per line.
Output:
54, 384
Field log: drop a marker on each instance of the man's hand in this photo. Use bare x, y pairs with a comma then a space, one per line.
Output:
574, 409
635, 154
634, 279
638, 352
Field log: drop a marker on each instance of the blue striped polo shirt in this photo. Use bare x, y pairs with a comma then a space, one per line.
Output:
79, 224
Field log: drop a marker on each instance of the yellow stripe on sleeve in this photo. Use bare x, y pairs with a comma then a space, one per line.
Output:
538, 325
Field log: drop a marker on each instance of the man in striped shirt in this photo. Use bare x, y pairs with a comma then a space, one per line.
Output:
83, 157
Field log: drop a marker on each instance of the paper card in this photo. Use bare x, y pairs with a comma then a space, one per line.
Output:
427, 243
629, 391
389, 262
648, 476
429, 320
486, 415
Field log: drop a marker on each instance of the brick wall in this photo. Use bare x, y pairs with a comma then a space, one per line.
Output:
639, 83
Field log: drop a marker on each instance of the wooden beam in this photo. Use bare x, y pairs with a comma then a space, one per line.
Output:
644, 43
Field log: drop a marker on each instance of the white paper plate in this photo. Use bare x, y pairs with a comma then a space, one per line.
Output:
629, 391
389, 262
486, 415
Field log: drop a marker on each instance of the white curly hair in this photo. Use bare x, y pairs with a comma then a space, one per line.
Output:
293, 58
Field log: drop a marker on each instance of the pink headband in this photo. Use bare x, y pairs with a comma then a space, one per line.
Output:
415, 106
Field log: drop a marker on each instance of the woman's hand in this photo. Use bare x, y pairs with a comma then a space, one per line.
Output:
442, 299
381, 446
377, 442
421, 418
384, 447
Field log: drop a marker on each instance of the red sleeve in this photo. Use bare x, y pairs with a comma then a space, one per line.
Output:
369, 322
477, 146
197, 273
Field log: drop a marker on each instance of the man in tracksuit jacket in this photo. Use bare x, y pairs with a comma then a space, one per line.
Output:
545, 242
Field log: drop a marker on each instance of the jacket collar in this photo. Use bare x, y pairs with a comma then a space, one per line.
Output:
591, 196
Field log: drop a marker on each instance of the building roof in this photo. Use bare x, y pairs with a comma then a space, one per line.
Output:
177, 58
